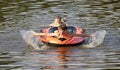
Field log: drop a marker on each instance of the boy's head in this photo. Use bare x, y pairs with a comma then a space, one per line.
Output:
58, 19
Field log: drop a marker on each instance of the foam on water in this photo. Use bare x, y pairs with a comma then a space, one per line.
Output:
97, 39
30, 39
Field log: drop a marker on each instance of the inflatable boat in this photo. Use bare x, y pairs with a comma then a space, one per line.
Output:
52, 40
35, 42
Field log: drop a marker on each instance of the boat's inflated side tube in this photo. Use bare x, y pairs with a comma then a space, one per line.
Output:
69, 28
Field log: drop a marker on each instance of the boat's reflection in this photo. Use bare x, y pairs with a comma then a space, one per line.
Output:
61, 58
51, 57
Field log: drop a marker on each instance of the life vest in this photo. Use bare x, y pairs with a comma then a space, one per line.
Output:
56, 24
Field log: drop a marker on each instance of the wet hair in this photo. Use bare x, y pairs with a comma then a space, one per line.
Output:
58, 18
63, 27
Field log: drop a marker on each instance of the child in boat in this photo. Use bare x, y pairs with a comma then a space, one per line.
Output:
61, 33
57, 22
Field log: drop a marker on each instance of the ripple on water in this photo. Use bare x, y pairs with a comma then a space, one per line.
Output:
33, 14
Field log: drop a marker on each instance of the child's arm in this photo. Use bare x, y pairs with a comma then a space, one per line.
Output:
38, 34
80, 35
43, 34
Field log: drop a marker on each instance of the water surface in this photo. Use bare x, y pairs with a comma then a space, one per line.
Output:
16, 15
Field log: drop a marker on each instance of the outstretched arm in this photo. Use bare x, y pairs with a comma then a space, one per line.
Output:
38, 34
43, 34
80, 35
83, 35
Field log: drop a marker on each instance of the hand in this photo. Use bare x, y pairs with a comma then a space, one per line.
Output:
63, 19
33, 32
91, 36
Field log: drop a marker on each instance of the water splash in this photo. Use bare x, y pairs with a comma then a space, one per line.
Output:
96, 40
30, 39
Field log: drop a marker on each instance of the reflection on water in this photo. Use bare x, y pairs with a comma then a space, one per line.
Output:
34, 14
62, 58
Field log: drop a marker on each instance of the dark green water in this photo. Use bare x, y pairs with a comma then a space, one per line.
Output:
92, 15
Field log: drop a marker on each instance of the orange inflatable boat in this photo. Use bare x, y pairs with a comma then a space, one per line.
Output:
51, 40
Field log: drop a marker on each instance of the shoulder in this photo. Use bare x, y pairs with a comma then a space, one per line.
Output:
54, 24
